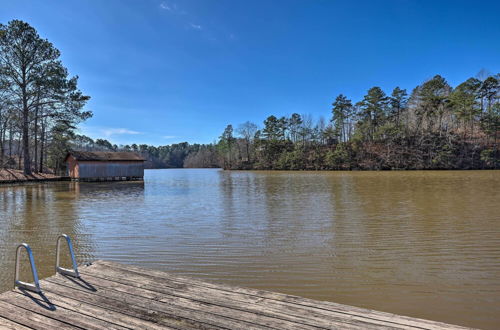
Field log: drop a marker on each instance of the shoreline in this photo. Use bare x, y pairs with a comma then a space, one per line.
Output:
17, 177
7, 182
10, 176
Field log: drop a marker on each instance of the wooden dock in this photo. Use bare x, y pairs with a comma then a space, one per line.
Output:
114, 296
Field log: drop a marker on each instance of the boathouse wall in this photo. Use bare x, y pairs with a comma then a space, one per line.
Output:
104, 169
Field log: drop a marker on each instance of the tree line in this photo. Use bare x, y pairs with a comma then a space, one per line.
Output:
176, 155
40, 103
436, 126
41, 106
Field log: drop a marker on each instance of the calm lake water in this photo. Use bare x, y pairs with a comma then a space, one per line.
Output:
424, 244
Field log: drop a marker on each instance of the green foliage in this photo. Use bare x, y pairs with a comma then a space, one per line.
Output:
225, 146
389, 131
464, 99
40, 97
341, 113
397, 102
443, 157
490, 158
104, 144
274, 128
338, 158
290, 160
431, 99
437, 127
490, 122
60, 144
373, 109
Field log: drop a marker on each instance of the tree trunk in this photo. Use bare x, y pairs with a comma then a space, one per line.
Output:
25, 127
35, 154
26, 142
11, 132
2, 149
495, 165
248, 149
42, 145
3, 128
472, 140
19, 151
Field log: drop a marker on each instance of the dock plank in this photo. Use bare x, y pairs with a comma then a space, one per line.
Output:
45, 308
288, 314
99, 312
167, 318
114, 296
211, 305
30, 319
9, 325
289, 300
160, 304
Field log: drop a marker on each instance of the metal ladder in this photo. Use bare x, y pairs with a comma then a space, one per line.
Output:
35, 286
65, 271
23, 285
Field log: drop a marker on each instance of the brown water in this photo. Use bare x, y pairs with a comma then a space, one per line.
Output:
424, 244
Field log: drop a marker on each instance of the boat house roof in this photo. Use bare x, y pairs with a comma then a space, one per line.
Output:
104, 156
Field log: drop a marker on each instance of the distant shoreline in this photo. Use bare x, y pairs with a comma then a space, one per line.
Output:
10, 176
361, 171
324, 170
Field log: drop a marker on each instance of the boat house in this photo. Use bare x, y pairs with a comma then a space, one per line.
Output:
104, 166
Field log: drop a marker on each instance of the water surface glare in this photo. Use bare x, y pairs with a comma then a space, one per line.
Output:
423, 244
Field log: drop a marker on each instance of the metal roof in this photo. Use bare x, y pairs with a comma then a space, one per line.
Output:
104, 156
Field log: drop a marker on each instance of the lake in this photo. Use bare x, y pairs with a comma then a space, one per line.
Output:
423, 244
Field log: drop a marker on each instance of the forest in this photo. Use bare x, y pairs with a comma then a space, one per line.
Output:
40, 104
435, 126
41, 107
176, 155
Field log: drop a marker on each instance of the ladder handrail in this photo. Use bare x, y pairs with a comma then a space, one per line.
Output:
28, 286
70, 272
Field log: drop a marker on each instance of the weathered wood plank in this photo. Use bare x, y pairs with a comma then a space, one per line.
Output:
370, 315
166, 318
244, 313
241, 303
115, 296
30, 319
205, 313
34, 303
9, 325
99, 312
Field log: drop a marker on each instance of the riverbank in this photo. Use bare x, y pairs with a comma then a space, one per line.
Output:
8, 176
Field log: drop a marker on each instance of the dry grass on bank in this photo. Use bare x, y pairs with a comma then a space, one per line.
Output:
10, 175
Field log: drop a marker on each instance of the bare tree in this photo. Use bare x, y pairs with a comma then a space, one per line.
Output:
247, 132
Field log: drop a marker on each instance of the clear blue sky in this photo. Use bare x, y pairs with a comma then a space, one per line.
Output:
161, 72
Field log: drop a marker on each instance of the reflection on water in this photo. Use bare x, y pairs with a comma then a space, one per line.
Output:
424, 244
